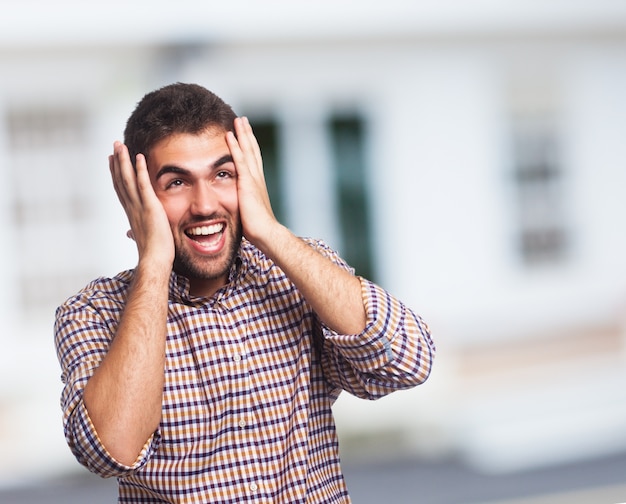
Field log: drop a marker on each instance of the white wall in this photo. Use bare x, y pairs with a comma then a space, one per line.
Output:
440, 202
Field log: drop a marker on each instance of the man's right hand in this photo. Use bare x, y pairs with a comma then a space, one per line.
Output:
149, 226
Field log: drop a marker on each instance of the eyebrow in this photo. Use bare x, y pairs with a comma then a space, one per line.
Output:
183, 171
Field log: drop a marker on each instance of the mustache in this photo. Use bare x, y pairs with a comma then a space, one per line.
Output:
203, 218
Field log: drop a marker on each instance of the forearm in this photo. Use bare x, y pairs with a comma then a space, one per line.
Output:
398, 354
333, 293
124, 395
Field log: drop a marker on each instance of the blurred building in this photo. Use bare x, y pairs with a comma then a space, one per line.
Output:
469, 157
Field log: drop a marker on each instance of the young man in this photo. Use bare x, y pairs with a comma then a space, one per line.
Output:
207, 373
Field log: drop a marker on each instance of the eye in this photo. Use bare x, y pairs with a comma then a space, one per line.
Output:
224, 174
174, 183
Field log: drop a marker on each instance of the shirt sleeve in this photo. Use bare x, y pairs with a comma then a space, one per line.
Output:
83, 332
395, 350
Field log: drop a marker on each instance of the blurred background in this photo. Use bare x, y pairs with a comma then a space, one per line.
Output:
466, 155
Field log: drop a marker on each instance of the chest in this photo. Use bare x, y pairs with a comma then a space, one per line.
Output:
234, 364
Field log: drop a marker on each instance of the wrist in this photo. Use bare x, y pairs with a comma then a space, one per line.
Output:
272, 240
155, 266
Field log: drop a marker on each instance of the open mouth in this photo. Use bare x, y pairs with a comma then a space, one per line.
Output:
206, 236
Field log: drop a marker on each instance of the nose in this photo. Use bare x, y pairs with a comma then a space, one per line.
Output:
204, 200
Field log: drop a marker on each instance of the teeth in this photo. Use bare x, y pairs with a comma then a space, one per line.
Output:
205, 230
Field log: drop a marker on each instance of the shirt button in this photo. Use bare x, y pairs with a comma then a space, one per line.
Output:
236, 357
254, 487
242, 423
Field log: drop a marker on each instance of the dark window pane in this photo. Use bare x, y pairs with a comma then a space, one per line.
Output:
266, 132
348, 143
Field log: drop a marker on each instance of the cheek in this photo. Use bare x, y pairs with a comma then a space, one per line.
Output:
229, 199
174, 209
233, 203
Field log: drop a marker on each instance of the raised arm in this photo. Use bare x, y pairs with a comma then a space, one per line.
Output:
124, 395
333, 293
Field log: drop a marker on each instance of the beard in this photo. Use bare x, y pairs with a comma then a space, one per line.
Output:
209, 268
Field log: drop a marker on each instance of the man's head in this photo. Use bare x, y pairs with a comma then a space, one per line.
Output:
181, 130
176, 108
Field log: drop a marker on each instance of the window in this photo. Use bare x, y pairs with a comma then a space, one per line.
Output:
537, 171
346, 138
50, 202
266, 133
539, 181
46, 165
348, 147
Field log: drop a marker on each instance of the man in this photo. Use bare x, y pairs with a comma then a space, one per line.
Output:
207, 373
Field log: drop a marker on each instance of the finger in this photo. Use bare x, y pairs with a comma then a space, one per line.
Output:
236, 152
256, 149
124, 172
114, 170
249, 146
245, 138
143, 178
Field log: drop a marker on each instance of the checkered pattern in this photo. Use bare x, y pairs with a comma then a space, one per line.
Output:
250, 379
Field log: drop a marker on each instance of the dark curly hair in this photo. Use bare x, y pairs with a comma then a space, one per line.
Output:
172, 109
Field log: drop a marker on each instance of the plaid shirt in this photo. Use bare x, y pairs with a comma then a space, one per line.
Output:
250, 378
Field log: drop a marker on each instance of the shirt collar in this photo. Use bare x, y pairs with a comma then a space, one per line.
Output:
179, 285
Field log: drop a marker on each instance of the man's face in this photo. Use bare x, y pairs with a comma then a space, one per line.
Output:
195, 179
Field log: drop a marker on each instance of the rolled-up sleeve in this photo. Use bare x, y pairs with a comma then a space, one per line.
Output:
395, 350
83, 329
89, 450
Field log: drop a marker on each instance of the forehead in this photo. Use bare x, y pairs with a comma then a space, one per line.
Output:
181, 149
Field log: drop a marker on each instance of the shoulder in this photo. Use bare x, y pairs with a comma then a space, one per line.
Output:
327, 251
253, 259
101, 293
